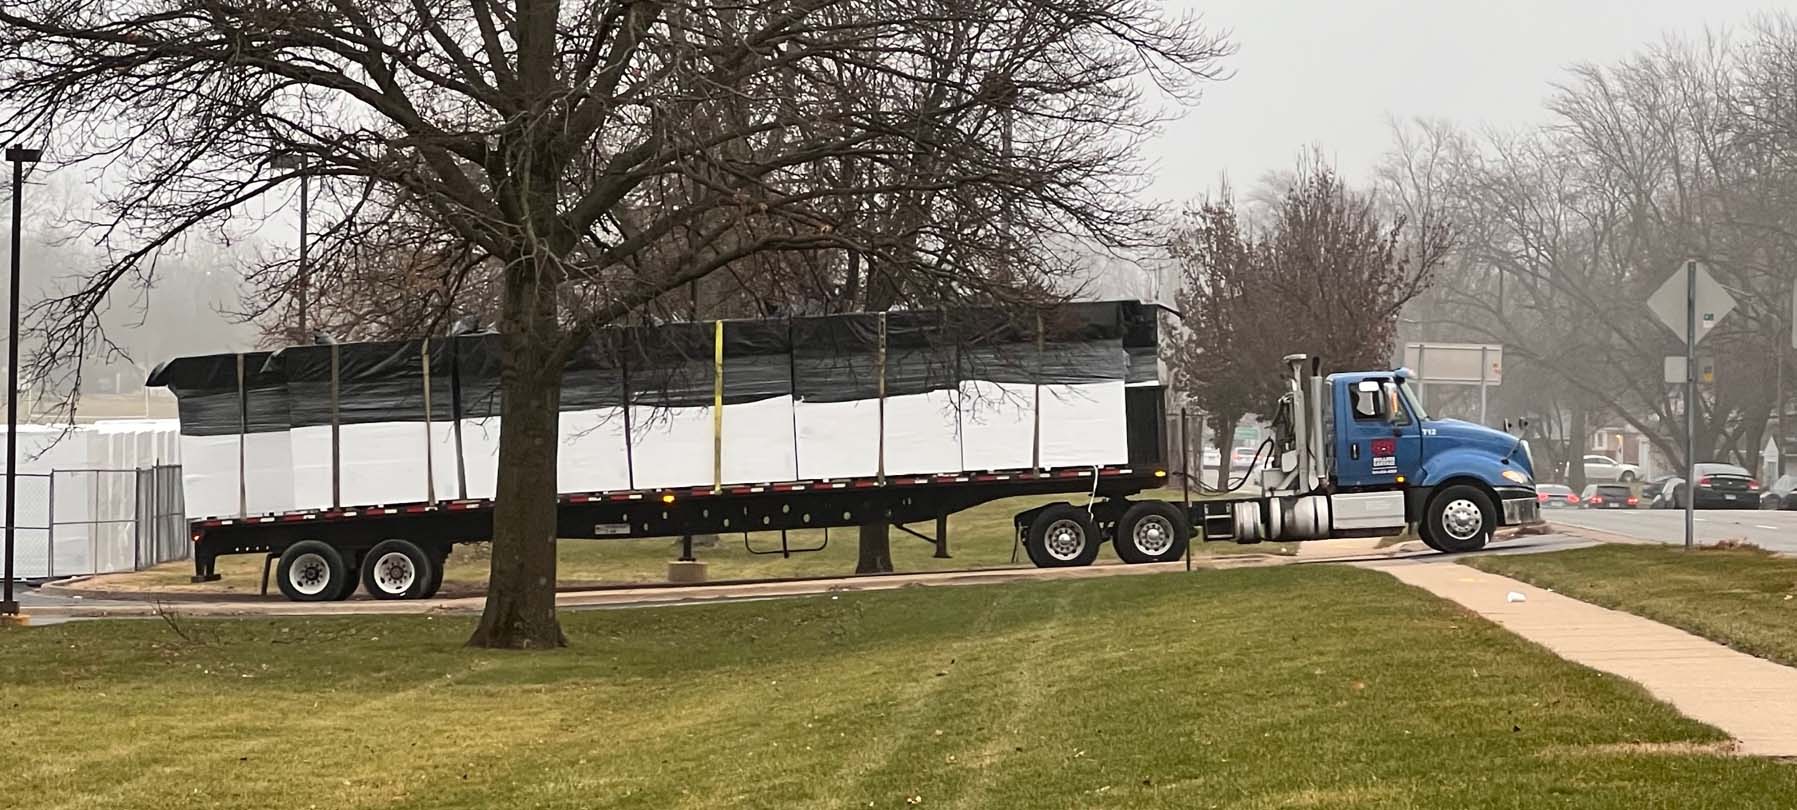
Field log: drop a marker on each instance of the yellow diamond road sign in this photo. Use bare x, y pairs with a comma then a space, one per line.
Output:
1713, 302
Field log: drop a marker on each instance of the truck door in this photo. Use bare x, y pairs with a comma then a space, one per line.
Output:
1377, 438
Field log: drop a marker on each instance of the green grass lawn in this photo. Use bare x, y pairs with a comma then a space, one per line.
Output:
1301, 686
1744, 598
978, 538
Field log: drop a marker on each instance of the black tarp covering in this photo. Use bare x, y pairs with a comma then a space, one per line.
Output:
1079, 343
474, 375
1141, 340
835, 357
209, 400
376, 382
821, 359
758, 361
594, 377
670, 364
920, 353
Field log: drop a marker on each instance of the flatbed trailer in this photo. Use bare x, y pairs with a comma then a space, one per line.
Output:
321, 553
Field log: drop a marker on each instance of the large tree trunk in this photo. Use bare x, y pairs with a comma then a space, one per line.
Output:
520, 609
1578, 442
1223, 435
876, 549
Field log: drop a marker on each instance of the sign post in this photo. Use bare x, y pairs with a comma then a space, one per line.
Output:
1678, 303
1480, 364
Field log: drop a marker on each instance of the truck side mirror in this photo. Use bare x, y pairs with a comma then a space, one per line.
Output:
1389, 402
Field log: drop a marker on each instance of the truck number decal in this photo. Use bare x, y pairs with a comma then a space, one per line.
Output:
611, 529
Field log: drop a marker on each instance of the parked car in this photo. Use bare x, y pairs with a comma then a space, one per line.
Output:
1664, 494
1721, 486
1781, 495
1609, 496
1556, 496
1604, 468
1241, 457
1212, 458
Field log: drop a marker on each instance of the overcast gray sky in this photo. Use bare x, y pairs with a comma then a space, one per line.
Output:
1333, 73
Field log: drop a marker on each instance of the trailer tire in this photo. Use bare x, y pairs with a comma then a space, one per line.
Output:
1151, 532
1062, 536
396, 569
439, 557
1460, 518
353, 576
312, 571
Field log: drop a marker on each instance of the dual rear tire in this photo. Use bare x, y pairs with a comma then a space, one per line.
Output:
314, 571
1067, 536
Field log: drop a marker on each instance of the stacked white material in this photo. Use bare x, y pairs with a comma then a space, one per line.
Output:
84, 478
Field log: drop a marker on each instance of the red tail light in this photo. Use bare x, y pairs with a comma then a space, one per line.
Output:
1597, 499
1704, 481
1753, 486
1572, 499
1634, 501
1541, 497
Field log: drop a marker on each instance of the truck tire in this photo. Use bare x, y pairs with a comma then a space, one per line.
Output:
1460, 518
311, 571
1150, 532
439, 557
1422, 533
396, 569
353, 576
1062, 536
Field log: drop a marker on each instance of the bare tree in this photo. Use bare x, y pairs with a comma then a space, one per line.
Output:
1328, 277
603, 155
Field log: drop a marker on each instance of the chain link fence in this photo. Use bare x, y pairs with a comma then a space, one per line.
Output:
76, 522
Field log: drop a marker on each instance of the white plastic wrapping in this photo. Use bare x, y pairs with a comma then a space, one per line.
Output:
758, 442
838, 439
671, 447
999, 425
1083, 425
923, 433
590, 456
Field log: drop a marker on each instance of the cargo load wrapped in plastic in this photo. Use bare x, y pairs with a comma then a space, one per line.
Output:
670, 406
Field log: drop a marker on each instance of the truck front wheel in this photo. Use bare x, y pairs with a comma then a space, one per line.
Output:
1062, 536
1459, 518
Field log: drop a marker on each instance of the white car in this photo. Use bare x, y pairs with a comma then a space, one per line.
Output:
1604, 468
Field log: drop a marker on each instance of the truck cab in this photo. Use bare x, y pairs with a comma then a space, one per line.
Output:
1357, 455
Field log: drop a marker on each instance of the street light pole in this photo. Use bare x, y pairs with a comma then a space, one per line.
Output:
290, 161
304, 271
18, 156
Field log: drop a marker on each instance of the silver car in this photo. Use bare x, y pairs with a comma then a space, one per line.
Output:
1604, 468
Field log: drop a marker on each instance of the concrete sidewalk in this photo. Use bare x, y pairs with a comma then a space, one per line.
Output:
1751, 699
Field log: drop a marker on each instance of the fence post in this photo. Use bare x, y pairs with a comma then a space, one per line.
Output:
50, 528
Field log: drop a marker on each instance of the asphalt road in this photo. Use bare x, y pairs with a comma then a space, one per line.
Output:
1773, 531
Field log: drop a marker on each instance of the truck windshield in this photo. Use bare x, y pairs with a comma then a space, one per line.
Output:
1413, 403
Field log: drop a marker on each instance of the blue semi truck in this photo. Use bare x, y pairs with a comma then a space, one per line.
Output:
1355, 454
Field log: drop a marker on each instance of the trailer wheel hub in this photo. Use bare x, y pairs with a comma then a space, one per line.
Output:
1064, 540
1462, 519
394, 572
309, 574
1153, 535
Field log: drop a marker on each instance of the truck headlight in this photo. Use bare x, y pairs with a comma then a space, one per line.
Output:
1515, 477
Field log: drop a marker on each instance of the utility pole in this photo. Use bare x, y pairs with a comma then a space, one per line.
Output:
1690, 404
